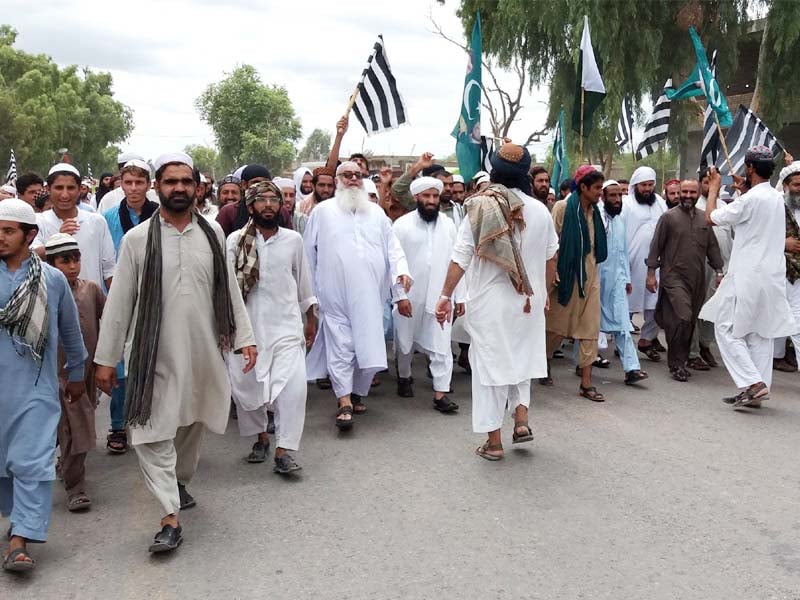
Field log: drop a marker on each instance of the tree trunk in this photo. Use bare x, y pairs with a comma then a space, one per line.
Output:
755, 103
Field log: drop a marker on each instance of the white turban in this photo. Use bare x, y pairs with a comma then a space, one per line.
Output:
787, 171
369, 186
609, 182
18, 211
238, 172
421, 184
63, 168
173, 157
643, 174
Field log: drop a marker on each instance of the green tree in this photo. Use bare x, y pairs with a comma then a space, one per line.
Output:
252, 122
205, 158
44, 108
318, 146
638, 46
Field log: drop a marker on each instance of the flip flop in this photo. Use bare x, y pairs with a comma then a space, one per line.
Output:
344, 424
483, 451
10, 563
78, 502
525, 437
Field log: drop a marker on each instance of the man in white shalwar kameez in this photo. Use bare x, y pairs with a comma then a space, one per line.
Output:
427, 238
750, 308
508, 242
355, 259
172, 311
789, 185
272, 273
641, 209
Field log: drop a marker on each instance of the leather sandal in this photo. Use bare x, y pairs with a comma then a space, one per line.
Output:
518, 438
344, 424
592, 394
483, 451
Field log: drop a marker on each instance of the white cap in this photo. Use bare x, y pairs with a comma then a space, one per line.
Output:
238, 172
420, 184
609, 182
369, 186
458, 179
60, 242
125, 157
283, 182
479, 174
135, 162
485, 178
18, 211
173, 157
64, 168
203, 178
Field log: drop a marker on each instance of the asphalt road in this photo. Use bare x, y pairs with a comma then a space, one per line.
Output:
660, 492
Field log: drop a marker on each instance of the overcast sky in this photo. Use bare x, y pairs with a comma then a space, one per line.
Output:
163, 54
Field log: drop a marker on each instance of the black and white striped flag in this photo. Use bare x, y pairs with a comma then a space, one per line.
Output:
11, 174
89, 171
747, 131
710, 149
378, 105
657, 126
624, 134
487, 149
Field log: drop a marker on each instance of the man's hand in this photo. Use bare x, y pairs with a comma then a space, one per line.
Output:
739, 183
425, 161
310, 331
405, 281
714, 180
444, 311
460, 309
341, 126
628, 289
75, 389
787, 158
651, 284
385, 175
105, 378
718, 280
792, 245
70, 226
250, 355
404, 308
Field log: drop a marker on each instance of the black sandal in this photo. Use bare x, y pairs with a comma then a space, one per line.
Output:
344, 424
518, 438
117, 441
601, 363
10, 562
592, 394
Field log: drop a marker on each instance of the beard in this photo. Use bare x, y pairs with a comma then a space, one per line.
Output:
541, 194
792, 200
177, 202
446, 199
263, 222
612, 210
429, 215
306, 189
641, 198
686, 205
352, 199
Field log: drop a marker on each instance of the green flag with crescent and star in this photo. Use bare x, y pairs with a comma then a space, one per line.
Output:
468, 129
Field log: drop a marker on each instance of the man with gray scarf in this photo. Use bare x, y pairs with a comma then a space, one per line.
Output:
173, 311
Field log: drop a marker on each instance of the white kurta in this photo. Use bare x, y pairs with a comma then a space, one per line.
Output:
275, 308
640, 221
354, 259
98, 258
427, 247
509, 344
756, 278
191, 379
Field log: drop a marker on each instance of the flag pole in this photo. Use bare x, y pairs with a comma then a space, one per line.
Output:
353, 97
580, 143
724, 143
663, 163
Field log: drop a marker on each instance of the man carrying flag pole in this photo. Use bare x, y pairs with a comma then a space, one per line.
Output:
468, 129
590, 90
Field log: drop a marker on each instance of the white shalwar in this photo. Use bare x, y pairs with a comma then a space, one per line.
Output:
508, 344
750, 308
275, 306
427, 247
640, 221
354, 259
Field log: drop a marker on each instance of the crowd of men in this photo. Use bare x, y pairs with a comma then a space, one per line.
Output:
174, 295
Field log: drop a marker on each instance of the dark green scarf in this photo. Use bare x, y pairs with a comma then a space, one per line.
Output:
575, 244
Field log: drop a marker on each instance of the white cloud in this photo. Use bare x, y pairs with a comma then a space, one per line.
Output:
163, 54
